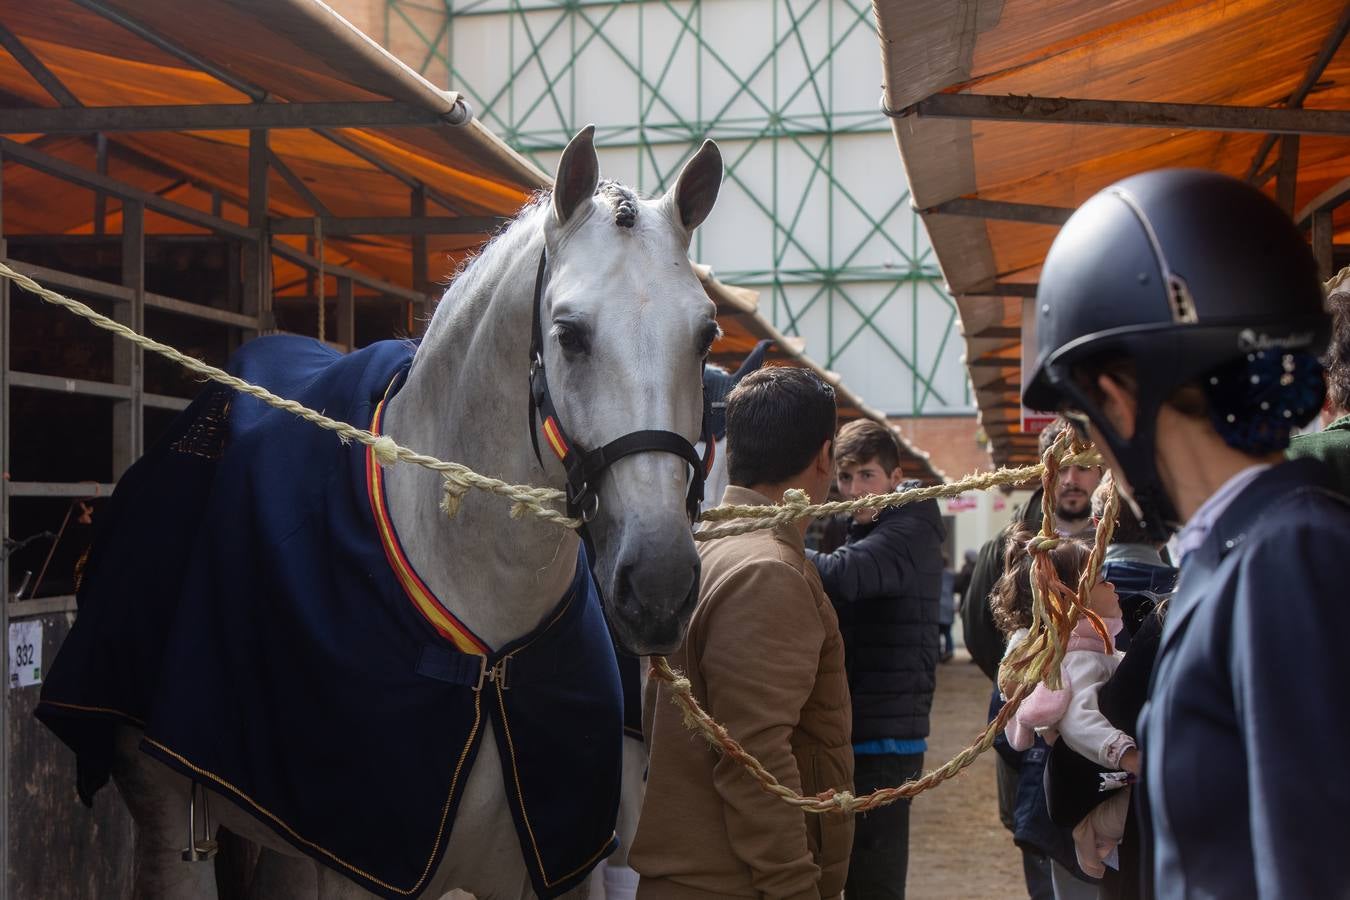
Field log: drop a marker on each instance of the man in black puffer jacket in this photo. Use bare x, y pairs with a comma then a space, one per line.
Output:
884, 583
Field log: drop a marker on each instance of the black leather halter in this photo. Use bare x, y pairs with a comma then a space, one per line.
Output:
584, 467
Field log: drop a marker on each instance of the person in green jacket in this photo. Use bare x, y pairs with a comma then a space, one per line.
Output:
1331, 445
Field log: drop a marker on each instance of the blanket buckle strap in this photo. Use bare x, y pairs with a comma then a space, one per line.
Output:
496, 673
203, 848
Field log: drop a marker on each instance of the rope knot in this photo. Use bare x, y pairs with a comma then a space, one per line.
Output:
844, 800
386, 450
452, 495
520, 509
1043, 544
796, 498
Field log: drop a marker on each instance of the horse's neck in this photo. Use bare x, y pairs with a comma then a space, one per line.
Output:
465, 400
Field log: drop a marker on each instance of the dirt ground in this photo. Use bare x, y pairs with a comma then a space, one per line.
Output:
957, 847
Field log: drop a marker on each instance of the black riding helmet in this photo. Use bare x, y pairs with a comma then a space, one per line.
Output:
1181, 271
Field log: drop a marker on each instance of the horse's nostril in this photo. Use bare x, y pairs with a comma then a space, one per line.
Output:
654, 591
627, 581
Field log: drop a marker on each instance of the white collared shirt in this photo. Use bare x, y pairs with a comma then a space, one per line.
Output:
1199, 526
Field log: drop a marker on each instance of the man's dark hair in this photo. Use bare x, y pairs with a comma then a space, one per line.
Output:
777, 420
862, 440
1337, 358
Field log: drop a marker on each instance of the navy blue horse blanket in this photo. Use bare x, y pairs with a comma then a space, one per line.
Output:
247, 603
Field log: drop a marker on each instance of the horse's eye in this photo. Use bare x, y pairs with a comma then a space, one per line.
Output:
570, 339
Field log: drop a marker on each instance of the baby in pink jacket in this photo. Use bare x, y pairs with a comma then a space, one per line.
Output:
1071, 712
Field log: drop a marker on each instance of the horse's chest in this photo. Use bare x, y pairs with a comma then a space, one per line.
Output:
484, 858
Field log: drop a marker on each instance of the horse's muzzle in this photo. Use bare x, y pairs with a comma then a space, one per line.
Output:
651, 605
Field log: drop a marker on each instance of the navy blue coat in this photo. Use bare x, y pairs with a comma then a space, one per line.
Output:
1245, 735
884, 584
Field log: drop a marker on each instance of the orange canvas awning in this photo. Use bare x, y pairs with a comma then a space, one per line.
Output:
1009, 115
227, 54
152, 71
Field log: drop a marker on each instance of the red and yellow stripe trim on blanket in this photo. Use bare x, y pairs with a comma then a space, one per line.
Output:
421, 596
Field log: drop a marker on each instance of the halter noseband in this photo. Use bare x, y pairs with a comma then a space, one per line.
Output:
584, 467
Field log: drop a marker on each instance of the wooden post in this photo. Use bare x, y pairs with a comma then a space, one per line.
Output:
310, 273
5, 407
423, 309
100, 198
128, 359
234, 298
1287, 177
346, 314
1322, 237
258, 256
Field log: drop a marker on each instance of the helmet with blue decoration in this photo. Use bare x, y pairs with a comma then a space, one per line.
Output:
1187, 277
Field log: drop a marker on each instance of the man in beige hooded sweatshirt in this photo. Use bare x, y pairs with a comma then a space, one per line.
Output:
764, 656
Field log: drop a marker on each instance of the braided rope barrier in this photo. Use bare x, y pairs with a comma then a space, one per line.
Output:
459, 479
1055, 607
540, 502
1055, 610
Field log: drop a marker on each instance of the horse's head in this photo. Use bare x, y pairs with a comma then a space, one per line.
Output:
625, 327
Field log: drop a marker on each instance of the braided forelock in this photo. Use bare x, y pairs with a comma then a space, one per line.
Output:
622, 201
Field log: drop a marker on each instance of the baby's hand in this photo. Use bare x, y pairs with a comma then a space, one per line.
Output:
1129, 761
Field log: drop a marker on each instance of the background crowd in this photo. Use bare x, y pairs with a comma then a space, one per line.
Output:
1160, 766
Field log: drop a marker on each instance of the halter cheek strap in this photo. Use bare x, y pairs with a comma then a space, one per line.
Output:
585, 468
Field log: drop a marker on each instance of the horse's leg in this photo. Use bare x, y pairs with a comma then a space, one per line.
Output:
159, 808
333, 886
276, 875
613, 879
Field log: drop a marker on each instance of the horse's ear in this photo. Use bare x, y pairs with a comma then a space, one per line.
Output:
696, 190
578, 175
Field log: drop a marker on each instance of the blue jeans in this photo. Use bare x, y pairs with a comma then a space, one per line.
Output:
880, 859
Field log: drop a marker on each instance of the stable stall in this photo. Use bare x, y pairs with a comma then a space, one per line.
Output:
1008, 115
203, 175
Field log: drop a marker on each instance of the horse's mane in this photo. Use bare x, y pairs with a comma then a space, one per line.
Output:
504, 246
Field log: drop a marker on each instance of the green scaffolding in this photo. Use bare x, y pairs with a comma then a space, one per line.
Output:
548, 39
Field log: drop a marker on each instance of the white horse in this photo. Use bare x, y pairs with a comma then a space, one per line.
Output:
626, 326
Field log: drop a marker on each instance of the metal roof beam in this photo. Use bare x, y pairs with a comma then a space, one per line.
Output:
35, 67
313, 202
160, 167
249, 90
393, 171
976, 207
1329, 199
1286, 177
1333, 43
76, 175
1129, 113
336, 226
302, 258
219, 117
